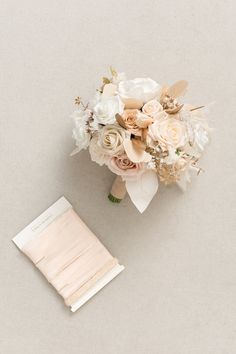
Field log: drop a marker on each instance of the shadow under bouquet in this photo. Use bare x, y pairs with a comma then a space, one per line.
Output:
143, 133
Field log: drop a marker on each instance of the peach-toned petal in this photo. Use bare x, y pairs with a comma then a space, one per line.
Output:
120, 120
131, 103
109, 90
135, 153
144, 123
178, 89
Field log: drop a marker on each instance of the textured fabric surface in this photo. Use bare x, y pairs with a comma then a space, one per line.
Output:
177, 293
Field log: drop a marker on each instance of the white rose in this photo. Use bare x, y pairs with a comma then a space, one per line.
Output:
106, 109
198, 138
96, 99
169, 132
198, 129
201, 137
80, 131
153, 109
134, 93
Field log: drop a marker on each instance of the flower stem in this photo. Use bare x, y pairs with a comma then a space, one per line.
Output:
117, 191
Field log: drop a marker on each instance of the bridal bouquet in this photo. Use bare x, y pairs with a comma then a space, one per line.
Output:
143, 133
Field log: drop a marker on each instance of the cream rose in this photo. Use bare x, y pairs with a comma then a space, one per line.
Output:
122, 166
169, 132
106, 109
153, 108
134, 93
110, 139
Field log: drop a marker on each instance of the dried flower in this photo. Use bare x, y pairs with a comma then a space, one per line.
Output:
77, 100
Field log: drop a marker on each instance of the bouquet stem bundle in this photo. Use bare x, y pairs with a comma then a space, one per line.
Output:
118, 190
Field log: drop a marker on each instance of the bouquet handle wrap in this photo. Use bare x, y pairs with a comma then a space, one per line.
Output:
118, 190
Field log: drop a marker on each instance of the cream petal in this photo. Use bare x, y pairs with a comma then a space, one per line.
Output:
135, 153
178, 89
185, 179
142, 190
75, 151
109, 90
144, 123
120, 120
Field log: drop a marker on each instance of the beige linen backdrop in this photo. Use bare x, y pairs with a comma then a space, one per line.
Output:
178, 292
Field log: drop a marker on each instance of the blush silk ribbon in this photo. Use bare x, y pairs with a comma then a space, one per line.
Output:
70, 256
